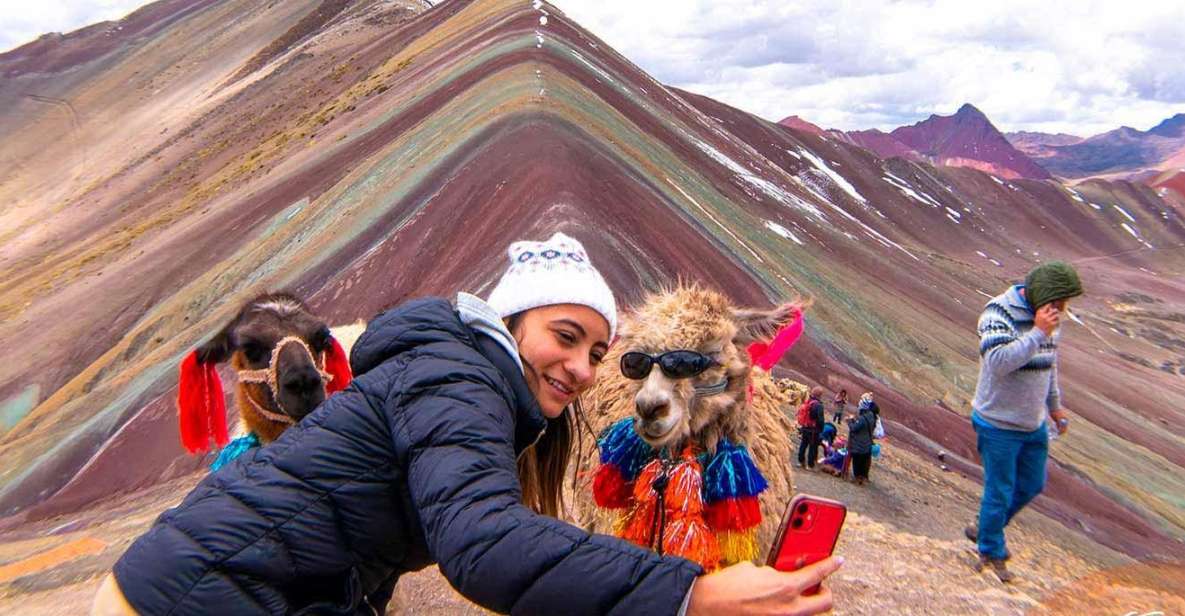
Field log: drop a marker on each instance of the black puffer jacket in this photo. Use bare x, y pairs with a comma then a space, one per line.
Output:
860, 431
414, 463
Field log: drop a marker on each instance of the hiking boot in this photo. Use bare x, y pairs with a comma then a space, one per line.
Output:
972, 533
998, 566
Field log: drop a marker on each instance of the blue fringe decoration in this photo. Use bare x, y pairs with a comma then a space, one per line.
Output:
234, 449
623, 448
732, 474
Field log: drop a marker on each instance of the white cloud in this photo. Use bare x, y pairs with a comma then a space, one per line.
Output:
1058, 66
22, 21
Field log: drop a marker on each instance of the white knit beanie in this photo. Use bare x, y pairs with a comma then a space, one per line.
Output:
556, 271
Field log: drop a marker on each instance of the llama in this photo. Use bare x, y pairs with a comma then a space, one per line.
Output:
708, 421
287, 362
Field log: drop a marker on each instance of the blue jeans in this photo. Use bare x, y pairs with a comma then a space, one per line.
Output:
1013, 475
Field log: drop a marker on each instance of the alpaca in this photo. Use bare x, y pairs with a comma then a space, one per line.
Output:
731, 402
287, 361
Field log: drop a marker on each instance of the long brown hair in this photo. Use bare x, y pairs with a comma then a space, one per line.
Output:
541, 467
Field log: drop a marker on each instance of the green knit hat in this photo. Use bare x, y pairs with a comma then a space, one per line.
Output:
1050, 282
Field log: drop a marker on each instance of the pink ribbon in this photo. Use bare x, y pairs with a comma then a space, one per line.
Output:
766, 355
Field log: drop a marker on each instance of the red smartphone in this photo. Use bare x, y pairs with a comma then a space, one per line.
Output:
809, 531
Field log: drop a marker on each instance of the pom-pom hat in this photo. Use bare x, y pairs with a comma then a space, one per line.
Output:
555, 271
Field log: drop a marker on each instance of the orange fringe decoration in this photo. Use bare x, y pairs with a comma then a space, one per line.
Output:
690, 538
684, 531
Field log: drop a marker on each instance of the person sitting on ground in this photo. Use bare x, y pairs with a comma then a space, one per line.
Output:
827, 435
841, 402
860, 430
835, 457
448, 447
810, 423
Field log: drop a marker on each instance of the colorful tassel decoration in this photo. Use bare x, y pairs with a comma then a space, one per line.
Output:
338, 365
234, 449
732, 474
623, 448
690, 538
710, 510
610, 489
201, 405
733, 514
638, 523
684, 495
737, 546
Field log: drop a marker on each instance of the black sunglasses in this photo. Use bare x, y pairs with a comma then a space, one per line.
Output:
675, 364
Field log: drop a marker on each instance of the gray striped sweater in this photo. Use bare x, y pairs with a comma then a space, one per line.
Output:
1017, 366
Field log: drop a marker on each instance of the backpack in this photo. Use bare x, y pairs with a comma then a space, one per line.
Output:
804, 415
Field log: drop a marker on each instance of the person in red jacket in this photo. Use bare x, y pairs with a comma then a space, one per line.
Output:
810, 422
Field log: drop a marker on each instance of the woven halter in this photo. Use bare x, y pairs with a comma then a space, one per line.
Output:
703, 391
270, 376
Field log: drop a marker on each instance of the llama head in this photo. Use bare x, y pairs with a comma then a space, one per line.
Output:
286, 359
669, 409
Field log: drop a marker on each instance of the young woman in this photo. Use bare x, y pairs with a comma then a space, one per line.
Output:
449, 447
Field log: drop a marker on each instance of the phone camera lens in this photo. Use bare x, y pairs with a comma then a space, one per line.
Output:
802, 509
796, 523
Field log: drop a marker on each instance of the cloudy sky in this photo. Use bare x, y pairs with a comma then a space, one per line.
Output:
24, 20
1057, 66
1079, 66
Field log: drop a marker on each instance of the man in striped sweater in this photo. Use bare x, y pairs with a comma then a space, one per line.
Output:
1017, 391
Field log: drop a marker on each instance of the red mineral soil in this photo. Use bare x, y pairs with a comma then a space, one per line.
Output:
882, 144
363, 154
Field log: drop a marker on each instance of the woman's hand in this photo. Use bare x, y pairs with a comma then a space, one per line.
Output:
745, 589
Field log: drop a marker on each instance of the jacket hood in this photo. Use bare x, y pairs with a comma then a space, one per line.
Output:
433, 321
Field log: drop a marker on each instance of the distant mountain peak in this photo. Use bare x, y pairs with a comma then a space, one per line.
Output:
1170, 127
968, 138
798, 123
970, 110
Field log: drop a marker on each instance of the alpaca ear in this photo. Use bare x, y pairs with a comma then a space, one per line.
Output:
337, 364
762, 325
200, 404
768, 334
217, 349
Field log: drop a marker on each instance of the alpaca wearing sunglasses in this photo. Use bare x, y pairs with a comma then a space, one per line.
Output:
697, 397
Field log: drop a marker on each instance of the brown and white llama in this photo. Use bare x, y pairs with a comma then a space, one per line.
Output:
287, 362
730, 403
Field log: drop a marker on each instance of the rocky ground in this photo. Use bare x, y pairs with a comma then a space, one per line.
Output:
902, 541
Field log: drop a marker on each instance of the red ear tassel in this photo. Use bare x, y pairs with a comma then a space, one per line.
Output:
766, 355
201, 405
337, 364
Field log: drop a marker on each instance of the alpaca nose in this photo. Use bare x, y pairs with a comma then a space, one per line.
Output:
652, 409
302, 382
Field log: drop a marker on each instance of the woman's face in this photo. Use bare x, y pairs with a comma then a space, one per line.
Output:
561, 347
